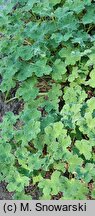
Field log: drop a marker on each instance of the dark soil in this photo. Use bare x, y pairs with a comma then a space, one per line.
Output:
33, 191
14, 106
4, 194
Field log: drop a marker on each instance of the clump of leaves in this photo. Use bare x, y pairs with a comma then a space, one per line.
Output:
48, 55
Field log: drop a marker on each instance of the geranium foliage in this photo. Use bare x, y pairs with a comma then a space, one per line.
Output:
48, 56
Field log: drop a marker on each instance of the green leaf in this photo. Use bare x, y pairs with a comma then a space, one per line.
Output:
59, 166
54, 2
25, 52
27, 90
74, 189
91, 81
58, 70
17, 182
53, 98
21, 196
37, 178
85, 148
74, 163
89, 16
51, 186
74, 55
41, 68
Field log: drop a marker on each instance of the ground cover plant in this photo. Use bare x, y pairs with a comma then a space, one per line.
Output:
47, 97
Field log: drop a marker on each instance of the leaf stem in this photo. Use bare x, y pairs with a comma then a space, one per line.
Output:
6, 95
11, 99
27, 42
43, 93
90, 28
14, 98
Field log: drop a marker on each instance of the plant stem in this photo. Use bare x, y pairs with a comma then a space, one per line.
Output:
11, 99
43, 93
